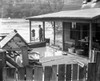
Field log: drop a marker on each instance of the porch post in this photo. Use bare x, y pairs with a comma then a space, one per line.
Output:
43, 30
54, 33
90, 42
30, 30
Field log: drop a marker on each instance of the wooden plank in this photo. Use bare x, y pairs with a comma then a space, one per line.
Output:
91, 72
54, 73
75, 72
68, 72
1, 77
98, 66
43, 31
2, 58
10, 74
9, 59
4, 74
47, 73
21, 73
54, 32
82, 73
38, 73
25, 59
29, 73
90, 42
30, 25
61, 72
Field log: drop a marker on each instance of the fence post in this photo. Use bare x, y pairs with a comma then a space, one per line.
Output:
47, 73
2, 63
61, 72
68, 72
82, 73
91, 72
54, 73
75, 72
29, 73
98, 66
25, 59
38, 73
21, 74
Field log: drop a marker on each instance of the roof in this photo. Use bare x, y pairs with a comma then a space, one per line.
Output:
12, 41
87, 14
3, 34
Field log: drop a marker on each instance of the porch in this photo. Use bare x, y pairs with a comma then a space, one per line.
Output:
78, 29
50, 55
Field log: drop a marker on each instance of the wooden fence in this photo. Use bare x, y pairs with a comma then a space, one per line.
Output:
61, 72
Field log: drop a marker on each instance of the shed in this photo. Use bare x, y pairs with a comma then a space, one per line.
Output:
14, 42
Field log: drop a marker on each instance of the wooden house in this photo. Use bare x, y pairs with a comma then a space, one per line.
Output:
80, 29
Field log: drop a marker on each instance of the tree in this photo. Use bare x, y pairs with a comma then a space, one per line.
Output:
55, 5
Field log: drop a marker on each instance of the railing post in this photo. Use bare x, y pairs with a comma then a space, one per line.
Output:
98, 66
2, 63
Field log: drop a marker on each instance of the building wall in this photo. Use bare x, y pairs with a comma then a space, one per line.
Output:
67, 42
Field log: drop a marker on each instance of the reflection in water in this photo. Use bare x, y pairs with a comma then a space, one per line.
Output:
52, 52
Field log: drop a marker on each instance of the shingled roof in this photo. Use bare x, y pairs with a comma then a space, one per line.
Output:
87, 14
12, 41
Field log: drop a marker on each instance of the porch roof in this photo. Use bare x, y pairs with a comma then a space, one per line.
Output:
82, 14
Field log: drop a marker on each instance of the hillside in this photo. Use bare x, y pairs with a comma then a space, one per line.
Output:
25, 8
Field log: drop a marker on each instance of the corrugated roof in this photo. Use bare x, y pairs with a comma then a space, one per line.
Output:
72, 14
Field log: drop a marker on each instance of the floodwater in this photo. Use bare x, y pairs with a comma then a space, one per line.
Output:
22, 26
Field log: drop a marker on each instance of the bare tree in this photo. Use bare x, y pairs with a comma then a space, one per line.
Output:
55, 5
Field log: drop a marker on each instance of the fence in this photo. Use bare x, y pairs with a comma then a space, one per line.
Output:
61, 72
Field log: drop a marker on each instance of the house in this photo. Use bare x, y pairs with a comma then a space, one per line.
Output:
78, 29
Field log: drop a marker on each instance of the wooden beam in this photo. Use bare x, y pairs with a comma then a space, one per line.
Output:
12, 62
75, 72
25, 59
29, 73
47, 73
38, 73
54, 73
54, 33
68, 72
2, 58
61, 72
90, 42
63, 36
43, 30
21, 74
92, 72
30, 30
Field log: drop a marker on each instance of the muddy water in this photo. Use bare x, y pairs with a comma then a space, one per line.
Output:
22, 26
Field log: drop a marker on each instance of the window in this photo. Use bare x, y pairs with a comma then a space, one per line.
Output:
74, 32
79, 32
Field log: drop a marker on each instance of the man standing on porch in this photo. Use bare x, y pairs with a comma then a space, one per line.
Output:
40, 33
